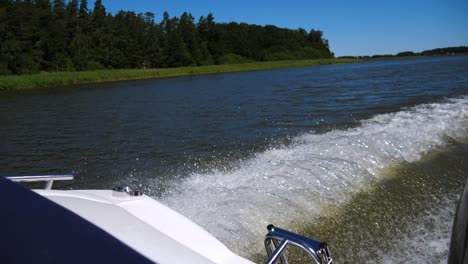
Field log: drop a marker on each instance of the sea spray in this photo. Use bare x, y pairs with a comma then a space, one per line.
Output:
294, 183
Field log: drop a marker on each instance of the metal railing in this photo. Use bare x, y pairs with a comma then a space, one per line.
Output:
48, 179
277, 240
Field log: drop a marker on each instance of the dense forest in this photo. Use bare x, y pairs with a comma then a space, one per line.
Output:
445, 51
59, 35
432, 52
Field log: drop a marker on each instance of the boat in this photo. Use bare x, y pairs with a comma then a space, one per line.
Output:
116, 226
458, 250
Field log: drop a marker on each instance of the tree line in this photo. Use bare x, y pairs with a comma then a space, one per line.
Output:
432, 52
59, 35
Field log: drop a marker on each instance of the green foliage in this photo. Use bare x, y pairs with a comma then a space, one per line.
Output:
59, 35
406, 54
432, 52
94, 65
232, 58
446, 51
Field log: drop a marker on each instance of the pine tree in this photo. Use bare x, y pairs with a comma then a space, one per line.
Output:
83, 11
79, 34
4, 4
152, 41
57, 38
175, 51
100, 38
61, 35
190, 36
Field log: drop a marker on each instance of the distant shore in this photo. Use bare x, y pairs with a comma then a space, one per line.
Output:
61, 79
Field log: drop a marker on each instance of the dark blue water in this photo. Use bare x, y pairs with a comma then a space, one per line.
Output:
163, 126
257, 140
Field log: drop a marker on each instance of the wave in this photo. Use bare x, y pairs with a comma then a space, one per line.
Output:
296, 183
428, 240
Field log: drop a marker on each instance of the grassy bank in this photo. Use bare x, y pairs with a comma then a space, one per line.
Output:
48, 80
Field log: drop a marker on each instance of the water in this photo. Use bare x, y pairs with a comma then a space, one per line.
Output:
370, 157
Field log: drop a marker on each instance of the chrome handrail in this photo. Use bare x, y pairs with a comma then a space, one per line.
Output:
48, 179
277, 240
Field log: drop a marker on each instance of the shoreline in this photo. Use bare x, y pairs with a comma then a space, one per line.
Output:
30, 82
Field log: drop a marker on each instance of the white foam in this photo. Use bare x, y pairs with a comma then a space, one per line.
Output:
427, 241
288, 184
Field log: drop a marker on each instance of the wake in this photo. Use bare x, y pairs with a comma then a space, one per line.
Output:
294, 183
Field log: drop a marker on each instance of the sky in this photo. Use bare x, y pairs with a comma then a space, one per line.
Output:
353, 27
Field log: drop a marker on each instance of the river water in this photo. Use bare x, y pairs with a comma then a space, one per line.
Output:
370, 157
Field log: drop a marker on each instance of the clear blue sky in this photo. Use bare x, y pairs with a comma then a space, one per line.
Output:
353, 27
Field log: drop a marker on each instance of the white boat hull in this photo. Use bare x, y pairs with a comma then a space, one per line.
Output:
149, 227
